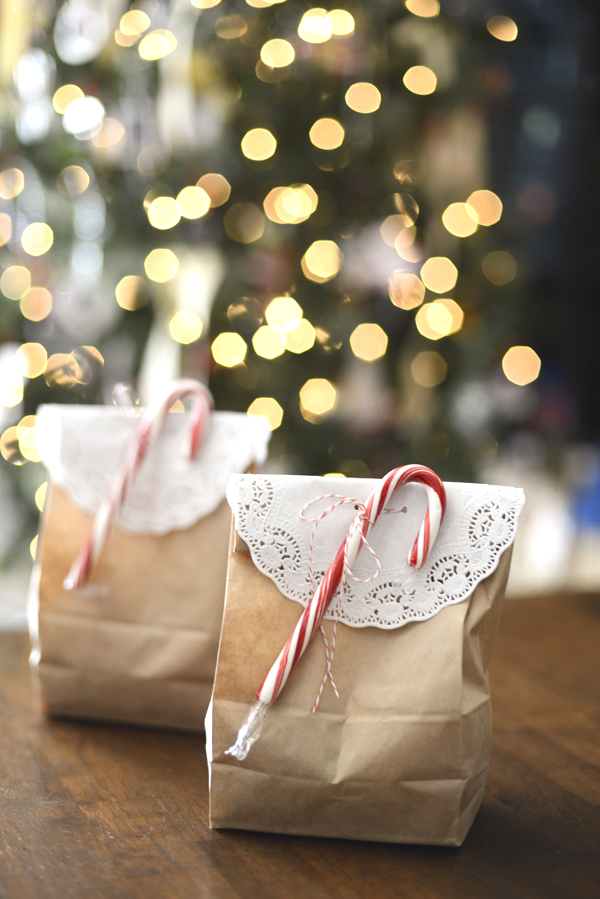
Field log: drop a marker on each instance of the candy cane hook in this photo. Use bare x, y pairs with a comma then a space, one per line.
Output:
345, 557
151, 425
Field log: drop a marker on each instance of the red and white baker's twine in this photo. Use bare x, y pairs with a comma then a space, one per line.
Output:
311, 619
151, 425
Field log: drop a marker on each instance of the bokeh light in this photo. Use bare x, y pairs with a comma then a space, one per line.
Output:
36, 305
368, 342
83, 117
128, 293
439, 319
277, 53
406, 289
31, 359
290, 205
37, 238
258, 144
193, 202
268, 408
9, 446
216, 186
73, 181
363, 97
229, 349
318, 397
302, 338
341, 22
420, 80
427, 9
521, 365
322, 261
428, 369
157, 44
205, 4
268, 342
134, 22
185, 327
5, 228
283, 314
33, 547
161, 265
15, 281
391, 227
11, 387
231, 27
163, 213
61, 371
502, 28
244, 222
12, 182
28, 442
455, 311
327, 134
64, 96
314, 27
460, 219
499, 267
439, 274
40, 495
111, 132
486, 205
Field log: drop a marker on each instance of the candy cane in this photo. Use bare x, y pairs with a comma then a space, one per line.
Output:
151, 425
345, 557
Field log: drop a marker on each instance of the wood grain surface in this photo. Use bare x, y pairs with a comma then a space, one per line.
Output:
122, 813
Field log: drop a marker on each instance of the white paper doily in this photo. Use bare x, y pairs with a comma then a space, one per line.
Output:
83, 446
480, 522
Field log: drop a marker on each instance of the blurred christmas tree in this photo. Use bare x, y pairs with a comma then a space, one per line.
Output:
294, 203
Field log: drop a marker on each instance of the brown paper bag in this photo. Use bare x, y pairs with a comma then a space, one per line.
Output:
138, 643
402, 755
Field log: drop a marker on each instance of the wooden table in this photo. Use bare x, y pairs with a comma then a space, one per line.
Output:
96, 811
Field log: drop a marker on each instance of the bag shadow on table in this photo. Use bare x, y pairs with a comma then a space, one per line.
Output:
402, 755
138, 643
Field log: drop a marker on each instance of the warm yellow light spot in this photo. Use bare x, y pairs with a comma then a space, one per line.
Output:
327, 134
434, 321
363, 97
268, 343
110, 134
33, 548
163, 213
161, 265
65, 95
258, 144
28, 442
317, 397
270, 204
31, 359
11, 388
521, 365
73, 180
229, 349
124, 40
61, 371
391, 227
428, 369
314, 27
334, 474
37, 238
301, 338
503, 28
15, 281
217, 187
427, 9
262, 4
405, 239
499, 267
12, 182
205, 4
127, 292
439, 274
460, 219
420, 80
268, 408
193, 202
368, 342
185, 327
244, 222
277, 53
455, 311
36, 305
486, 205
5, 228
40, 495
406, 289
283, 314
290, 205
341, 22
322, 261
231, 27
134, 22
9, 447
157, 44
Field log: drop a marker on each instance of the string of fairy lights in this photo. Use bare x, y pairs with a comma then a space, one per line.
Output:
285, 327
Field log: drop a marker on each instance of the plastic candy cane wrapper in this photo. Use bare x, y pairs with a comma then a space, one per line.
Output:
351, 697
126, 595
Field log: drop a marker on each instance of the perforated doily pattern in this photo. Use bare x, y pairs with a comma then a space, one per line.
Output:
480, 523
82, 447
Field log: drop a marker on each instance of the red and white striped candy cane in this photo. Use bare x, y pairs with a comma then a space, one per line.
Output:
151, 425
345, 557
